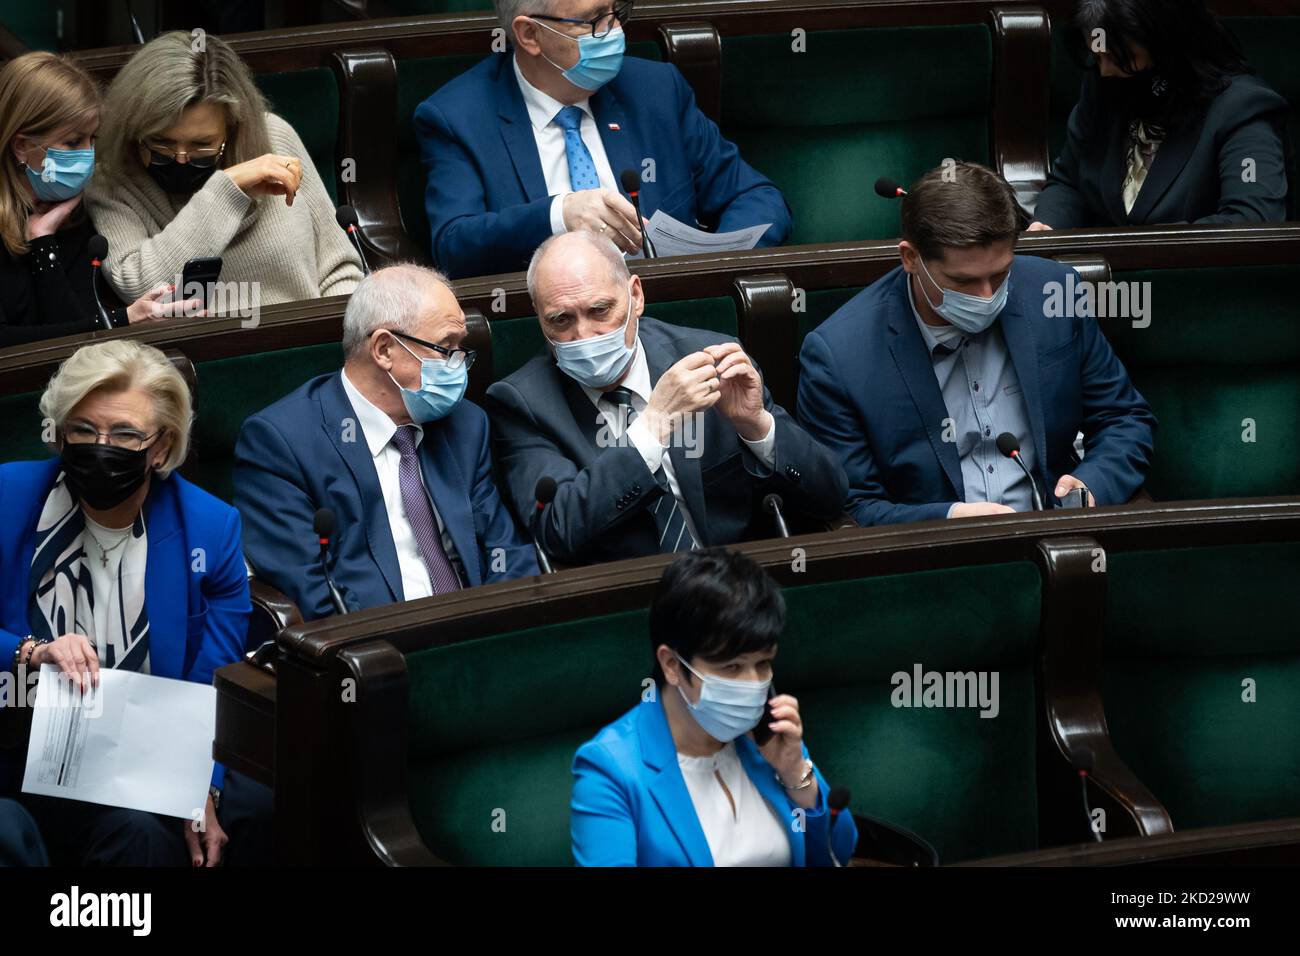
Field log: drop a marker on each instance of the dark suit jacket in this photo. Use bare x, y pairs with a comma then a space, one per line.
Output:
486, 196
1196, 175
293, 458
868, 392
544, 424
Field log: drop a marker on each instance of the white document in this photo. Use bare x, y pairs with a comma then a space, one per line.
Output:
672, 238
136, 741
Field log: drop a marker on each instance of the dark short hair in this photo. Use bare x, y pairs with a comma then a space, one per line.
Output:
959, 205
715, 604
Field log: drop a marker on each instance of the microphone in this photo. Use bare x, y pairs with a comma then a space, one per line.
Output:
544, 494
98, 249
323, 524
346, 217
836, 800
1009, 445
772, 505
886, 188
631, 184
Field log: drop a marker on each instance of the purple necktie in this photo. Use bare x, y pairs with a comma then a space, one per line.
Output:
420, 513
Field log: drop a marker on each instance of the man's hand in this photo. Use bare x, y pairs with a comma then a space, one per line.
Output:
605, 212
1039, 227
1067, 484
741, 390
975, 509
688, 386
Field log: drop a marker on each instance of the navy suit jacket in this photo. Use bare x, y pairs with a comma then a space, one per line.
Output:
544, 424
630, 804
195, 587
307, 451
486, 195
868, 391
1196, 175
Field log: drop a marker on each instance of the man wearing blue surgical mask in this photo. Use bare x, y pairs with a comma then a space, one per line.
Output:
392, 447
914, 379
532, 142
659, 438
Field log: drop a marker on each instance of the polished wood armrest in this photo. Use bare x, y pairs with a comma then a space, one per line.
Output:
272, 613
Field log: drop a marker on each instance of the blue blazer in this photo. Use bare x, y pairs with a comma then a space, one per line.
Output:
293, 458
631, 807
486, 195
195, 588
868, 391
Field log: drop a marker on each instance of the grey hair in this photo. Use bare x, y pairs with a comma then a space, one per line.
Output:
507, 10
388, 298
605, 248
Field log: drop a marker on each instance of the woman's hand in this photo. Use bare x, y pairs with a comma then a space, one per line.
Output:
785, 750
206, 846
150, 308
48, 218
268, 175
74, 655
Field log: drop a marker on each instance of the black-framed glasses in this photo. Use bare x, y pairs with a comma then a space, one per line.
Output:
205, 158
84, 433
455, 357
600, 25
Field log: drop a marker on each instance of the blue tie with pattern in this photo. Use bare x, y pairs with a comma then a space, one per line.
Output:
582, 171
670, 519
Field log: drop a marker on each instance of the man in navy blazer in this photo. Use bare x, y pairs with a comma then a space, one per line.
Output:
913, 380
391, 448
532, 141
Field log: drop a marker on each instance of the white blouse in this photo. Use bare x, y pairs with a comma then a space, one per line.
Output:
103, 573
750, 834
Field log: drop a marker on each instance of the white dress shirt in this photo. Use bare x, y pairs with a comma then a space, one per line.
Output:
751, 833
378, 430
542, 108
653, 453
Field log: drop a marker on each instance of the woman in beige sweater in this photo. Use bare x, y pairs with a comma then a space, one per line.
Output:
193, 166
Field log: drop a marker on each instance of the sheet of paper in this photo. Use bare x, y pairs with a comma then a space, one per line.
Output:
672, 238
136, 741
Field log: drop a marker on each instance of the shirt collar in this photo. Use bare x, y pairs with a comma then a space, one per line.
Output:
542, 107
374, 421
637, 381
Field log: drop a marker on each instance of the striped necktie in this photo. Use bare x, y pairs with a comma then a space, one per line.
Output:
419, 512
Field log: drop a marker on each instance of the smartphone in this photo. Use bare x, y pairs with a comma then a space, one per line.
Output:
197, 278
762, 732
1078, 498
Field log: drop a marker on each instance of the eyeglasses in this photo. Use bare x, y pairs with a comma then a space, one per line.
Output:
205, 158
600, 25
84, 433
455, 357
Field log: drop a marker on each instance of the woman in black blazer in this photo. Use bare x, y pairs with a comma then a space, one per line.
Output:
1171, 126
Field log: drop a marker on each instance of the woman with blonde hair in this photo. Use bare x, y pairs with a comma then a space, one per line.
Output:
49, 117
108, 559
193, 166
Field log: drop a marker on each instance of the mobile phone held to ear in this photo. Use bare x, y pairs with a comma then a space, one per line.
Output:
197, 278
762, 732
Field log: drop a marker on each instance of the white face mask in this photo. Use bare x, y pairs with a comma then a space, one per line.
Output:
727, 708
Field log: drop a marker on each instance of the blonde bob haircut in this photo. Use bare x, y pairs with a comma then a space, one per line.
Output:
168, 75
118, 366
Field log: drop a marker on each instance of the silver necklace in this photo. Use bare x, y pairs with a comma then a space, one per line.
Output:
105, 552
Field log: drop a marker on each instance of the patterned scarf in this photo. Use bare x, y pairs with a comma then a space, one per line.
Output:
62, 594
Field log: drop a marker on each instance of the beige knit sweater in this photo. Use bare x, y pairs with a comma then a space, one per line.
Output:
293, 252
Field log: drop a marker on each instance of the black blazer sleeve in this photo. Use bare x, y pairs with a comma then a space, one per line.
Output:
1061, 204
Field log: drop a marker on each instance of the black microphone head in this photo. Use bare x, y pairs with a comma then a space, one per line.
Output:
887, 188
345, 216
323, 523
97, 247
772, 503
545, 490
1008, 444
838, 798
630, 181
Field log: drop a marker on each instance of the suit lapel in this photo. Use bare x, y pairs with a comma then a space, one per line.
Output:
622, 145
760, 772
517, 130
587, 418
166, 584
1019, 335
666, 784
449, 489
335, 410
1169, 161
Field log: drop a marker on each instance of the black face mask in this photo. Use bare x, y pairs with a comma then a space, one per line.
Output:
104, 476
182, 178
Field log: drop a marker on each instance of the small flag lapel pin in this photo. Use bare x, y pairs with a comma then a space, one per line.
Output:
615, 127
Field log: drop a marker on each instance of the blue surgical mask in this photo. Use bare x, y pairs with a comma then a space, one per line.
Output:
597, 362
727, 708
441, 389
63, 175
599, 59
970, 313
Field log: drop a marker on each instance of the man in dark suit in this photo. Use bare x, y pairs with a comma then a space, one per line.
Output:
390, 446
911, 382
531, 142
659, 438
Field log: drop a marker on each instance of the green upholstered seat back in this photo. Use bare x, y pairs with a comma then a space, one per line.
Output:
857, 104
24, 437
494, 723
1185, 629
309, 101
37, 25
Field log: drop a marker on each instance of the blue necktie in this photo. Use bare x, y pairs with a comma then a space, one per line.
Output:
582, 171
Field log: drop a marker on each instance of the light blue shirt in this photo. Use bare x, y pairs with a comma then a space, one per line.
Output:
982, 394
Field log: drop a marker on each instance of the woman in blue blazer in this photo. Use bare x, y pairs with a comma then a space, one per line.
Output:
680, 779
108, 559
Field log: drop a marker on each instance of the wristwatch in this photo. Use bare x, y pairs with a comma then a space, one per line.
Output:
805, 782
